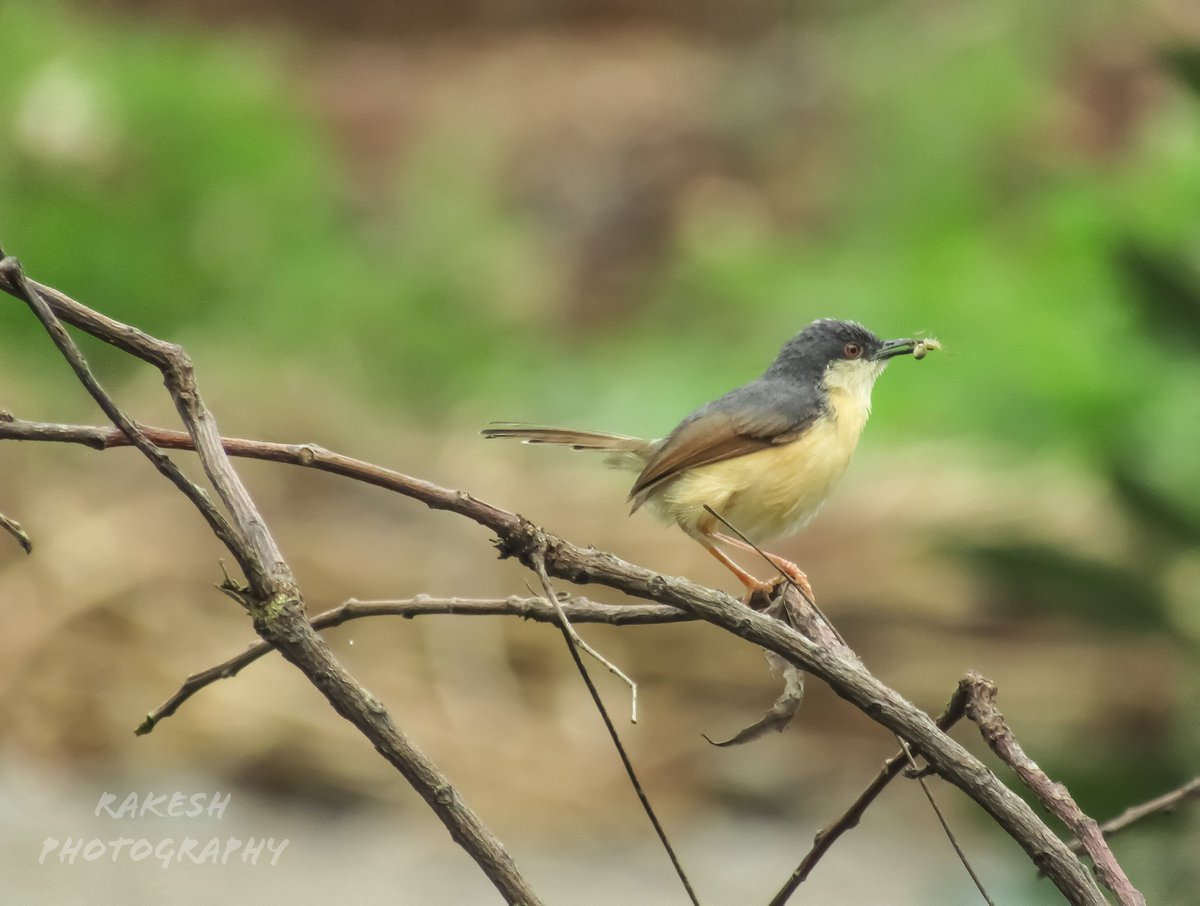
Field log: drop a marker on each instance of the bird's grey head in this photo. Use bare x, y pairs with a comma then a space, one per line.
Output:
829, 347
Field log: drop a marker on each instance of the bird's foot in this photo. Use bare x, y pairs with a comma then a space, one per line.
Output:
796, 575
759, 595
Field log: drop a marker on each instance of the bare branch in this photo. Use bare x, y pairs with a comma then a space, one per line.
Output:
14, 281
259, 556
789, 702
578, 610
829, 835
838, 667
982, 710
306, 455
1157, 806
941, 817
575, 640
574, 645
274, 601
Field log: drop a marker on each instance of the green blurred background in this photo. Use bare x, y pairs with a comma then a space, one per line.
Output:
378, 227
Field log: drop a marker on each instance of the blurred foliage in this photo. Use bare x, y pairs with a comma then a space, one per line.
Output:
1039, 580
1184, 63
173, 180
1167, 289
177, 180
155, 172
1164, 287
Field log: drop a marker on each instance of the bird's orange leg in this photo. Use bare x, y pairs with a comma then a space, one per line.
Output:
787, 567
754, 587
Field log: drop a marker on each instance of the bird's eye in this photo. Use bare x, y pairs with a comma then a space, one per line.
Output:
852, 350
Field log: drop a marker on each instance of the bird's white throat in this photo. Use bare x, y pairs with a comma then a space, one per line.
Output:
849, 384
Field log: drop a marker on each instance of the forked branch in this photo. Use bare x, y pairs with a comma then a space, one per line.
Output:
982, 710
1159, 805
273, 599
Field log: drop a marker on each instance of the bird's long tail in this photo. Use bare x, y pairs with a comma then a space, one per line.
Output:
624, 451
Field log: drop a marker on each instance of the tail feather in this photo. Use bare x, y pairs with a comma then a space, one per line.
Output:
578, 440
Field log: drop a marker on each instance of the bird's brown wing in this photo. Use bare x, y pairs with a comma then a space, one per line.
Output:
754, 417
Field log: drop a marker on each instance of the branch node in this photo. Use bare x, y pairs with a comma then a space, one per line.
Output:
981, 709
231, 588
14, 528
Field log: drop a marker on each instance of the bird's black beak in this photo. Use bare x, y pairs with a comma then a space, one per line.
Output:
892, 348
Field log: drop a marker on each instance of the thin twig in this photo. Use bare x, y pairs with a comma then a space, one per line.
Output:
14, 528
574, 637
982, 710
1157, 806
538, 609
244, 532
573, 645
23, 289
937, 810
829, 835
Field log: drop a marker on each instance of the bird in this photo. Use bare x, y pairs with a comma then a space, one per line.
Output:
764, 457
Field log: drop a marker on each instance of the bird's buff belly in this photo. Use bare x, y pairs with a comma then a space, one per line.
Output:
766, 494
